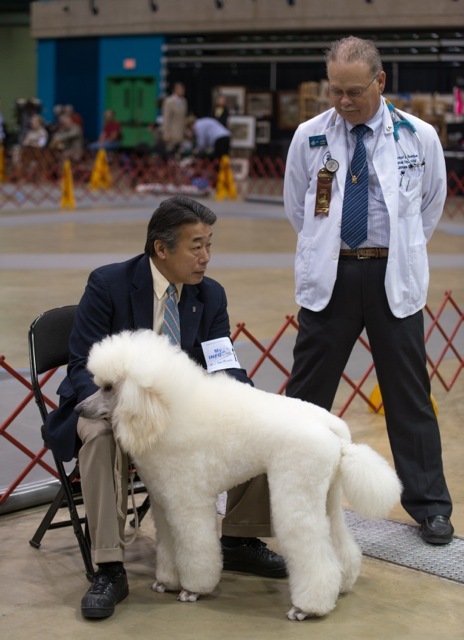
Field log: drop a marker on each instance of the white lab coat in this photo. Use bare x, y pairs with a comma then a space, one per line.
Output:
414, 206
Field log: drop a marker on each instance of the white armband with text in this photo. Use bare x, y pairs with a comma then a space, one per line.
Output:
220, 354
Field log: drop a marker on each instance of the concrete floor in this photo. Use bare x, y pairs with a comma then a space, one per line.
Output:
45, 258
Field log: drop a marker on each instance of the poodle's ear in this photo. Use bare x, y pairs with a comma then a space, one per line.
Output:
140, 419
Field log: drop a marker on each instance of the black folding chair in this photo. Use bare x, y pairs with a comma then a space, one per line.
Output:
48, 349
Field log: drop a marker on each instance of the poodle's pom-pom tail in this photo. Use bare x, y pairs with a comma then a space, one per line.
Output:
369, 483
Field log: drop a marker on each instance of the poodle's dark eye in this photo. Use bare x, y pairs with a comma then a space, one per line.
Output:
107, 388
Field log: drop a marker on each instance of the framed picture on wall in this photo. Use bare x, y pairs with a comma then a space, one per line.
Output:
234, 95
259, 104
243, 132
263, 132
288, 104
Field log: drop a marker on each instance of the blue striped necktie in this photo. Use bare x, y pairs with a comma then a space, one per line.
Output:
355, 201
171, 324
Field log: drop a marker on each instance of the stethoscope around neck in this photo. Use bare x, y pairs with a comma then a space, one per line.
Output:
398, 120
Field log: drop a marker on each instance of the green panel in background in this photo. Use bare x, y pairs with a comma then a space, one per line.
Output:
133, 101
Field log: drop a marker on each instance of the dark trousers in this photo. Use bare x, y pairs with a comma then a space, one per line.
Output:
323, 346
221, 147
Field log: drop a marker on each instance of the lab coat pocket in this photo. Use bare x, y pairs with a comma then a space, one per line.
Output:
409, 195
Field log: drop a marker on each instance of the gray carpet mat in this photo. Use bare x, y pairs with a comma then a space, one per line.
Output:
401, 544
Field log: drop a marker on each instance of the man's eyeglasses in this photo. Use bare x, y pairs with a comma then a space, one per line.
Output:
352, 94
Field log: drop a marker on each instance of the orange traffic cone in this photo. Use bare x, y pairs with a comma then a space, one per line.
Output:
101, 176
67, 187
225, 185
376, 399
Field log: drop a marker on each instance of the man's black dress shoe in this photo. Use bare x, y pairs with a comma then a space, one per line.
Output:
252, 555
108, 588
437, 530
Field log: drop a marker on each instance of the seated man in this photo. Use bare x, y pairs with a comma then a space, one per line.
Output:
111, 134
132, 295
68, 138
35, 137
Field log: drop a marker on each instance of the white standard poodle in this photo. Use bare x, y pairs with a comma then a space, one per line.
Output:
193, 436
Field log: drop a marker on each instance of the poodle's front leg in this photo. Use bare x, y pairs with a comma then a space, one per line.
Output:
296, 613
167, 577
184, 595
197, 547
187, 596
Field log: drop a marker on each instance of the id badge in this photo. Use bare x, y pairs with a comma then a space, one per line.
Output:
220, 354
324, 192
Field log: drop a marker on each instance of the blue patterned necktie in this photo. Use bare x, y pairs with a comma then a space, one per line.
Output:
171, 324
355, 202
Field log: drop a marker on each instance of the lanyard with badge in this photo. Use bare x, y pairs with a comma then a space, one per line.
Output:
326, 175
325, 178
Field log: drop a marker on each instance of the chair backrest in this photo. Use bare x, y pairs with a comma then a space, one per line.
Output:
48, 346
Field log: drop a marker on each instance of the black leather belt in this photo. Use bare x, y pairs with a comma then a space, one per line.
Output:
364, 253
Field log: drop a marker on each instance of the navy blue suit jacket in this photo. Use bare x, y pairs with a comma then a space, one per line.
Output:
120, 297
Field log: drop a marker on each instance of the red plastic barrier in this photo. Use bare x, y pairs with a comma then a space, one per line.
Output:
357, 385
36, 458
35, 178
266, 357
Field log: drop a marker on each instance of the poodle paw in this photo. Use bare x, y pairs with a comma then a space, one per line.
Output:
187, 596
296, 613
159, 587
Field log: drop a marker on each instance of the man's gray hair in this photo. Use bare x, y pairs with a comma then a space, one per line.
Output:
352, 49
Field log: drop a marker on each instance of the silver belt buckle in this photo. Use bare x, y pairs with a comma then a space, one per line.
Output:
360, 257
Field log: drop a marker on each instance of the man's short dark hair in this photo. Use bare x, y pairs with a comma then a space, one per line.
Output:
167, 219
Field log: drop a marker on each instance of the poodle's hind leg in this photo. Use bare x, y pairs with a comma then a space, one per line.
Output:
346, 548
197, 547
167, 577
303, 532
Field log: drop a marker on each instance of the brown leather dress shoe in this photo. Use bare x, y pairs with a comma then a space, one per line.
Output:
437, 530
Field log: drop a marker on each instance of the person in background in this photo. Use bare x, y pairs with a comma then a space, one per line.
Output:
68, 138
111, 134
364, 205
174, 114
132, 295
221, 111
209, 136
37, 135
75, 117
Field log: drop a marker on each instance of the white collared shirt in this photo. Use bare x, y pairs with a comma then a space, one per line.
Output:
160, 284
378, 223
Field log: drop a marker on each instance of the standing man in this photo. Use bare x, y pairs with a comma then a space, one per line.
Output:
174, 112
132, 295
221, 110
364, 194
